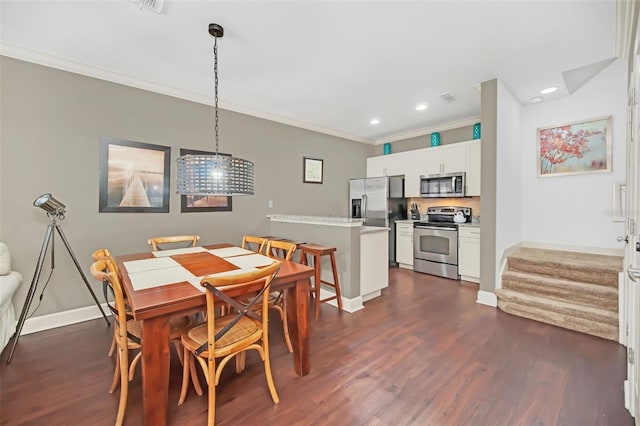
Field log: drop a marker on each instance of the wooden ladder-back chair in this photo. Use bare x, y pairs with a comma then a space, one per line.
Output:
278, 299
233, 334
257, 244
191, 240
127, 331
107, 289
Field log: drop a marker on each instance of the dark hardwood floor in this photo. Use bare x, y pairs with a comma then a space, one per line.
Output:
425, 353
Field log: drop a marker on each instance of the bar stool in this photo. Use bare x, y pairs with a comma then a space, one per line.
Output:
317, 251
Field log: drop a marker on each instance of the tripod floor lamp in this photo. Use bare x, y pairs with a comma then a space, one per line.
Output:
55, 211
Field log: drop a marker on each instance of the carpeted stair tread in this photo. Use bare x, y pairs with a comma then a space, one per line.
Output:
561, 289
584, 267
590, 313
594, 328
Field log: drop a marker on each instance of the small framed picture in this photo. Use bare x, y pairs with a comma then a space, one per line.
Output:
203, 203
312, 170
575, 148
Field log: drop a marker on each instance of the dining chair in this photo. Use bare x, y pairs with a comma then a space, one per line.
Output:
231, 335
156, 242
128, 332
251, 242
278, 299
107, 290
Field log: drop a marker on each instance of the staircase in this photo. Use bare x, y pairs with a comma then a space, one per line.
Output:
578, 291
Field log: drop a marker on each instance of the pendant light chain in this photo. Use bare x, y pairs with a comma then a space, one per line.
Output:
215, 72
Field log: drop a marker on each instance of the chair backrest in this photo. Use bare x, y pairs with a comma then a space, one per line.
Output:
110, 265
250, 242
228, 287
280, 249
155, 242
104, 271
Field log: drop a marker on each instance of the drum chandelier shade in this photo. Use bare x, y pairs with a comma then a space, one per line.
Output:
214, 174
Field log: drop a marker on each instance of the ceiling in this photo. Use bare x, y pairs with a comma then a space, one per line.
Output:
330, 66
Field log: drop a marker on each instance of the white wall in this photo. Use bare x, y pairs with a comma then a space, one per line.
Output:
575, 210
509, 196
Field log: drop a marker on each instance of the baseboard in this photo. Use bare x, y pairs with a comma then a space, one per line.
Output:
348, 305
622, 310
405, 266
577, 249
487, 298
60, 319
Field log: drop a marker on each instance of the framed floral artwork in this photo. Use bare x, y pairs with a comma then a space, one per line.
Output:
203, 203
134, 176
574, 148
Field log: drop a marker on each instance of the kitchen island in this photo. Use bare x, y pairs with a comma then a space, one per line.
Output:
362, 253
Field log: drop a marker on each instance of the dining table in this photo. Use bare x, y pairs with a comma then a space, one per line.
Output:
162, 284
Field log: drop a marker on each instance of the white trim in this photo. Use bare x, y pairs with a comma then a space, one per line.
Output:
622, 309
487, 298
427, 130
69, 65
577, 249
470, 279
60, 319
348, 305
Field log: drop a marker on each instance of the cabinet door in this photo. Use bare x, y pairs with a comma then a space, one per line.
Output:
473, 168
376, 166
454, 157
404, 244
469, 254
430, 161
412, 172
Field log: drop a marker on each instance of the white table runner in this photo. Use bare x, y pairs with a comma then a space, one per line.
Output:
230, 251
165, 253
158, 277
150, 264
250, 261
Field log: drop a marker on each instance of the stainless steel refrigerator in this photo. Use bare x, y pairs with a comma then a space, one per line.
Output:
380, 202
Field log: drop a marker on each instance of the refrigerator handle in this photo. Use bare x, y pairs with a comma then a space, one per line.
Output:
364, 206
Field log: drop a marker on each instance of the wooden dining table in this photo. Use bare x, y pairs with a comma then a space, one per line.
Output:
154, 306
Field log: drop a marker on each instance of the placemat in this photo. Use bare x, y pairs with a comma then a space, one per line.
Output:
230, 251
251, 261
149, 264
201, 264
159, 277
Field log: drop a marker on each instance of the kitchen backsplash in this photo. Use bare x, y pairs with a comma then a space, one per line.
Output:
425, 203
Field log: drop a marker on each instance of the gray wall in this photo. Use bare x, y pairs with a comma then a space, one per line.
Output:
52, 122
488, 185
460, 134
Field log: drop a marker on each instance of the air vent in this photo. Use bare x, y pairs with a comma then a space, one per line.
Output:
449, 97
154, 5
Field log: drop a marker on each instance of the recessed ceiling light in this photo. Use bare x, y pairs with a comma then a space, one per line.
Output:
421, 107
374, 121
548, 90
536, 99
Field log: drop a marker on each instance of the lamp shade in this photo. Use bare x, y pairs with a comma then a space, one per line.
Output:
214, 175
49, 204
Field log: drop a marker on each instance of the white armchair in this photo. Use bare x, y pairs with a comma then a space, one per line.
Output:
9, 283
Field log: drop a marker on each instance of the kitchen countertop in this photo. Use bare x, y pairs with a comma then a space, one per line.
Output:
373, 229
407, 221
317, 220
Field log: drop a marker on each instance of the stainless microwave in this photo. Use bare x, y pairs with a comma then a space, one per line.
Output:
444, 185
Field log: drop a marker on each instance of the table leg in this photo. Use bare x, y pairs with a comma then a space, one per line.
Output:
298, 321
155, 370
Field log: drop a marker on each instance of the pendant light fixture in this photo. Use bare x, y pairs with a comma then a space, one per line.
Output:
214, 174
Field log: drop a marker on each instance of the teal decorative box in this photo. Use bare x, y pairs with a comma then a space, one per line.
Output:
386, 148
476, 131
435, 139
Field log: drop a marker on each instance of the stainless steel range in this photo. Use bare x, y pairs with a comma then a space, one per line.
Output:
435, 242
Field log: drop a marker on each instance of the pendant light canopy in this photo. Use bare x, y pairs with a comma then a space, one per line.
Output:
214, 174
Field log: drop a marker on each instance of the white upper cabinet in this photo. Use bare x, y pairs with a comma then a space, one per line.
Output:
456, 157
473, 168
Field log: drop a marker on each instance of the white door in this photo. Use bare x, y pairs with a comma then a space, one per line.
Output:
632, 250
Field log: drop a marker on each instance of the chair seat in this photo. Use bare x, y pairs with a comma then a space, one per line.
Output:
177, 326
244, 332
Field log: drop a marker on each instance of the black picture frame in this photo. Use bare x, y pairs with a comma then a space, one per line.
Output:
187, 202
134, 176
312, 170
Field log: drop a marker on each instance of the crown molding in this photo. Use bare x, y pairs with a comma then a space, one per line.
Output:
69, 65
427, 130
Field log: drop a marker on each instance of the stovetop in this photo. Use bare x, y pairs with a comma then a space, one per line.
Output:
444, 216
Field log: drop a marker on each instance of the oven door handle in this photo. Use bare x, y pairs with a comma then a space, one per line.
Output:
435, 228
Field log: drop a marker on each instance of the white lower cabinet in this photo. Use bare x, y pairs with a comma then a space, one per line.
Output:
469, 253
404, 245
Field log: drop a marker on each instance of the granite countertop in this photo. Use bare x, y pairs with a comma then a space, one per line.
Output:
317, 220
470, 225
373, 229
407, 221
